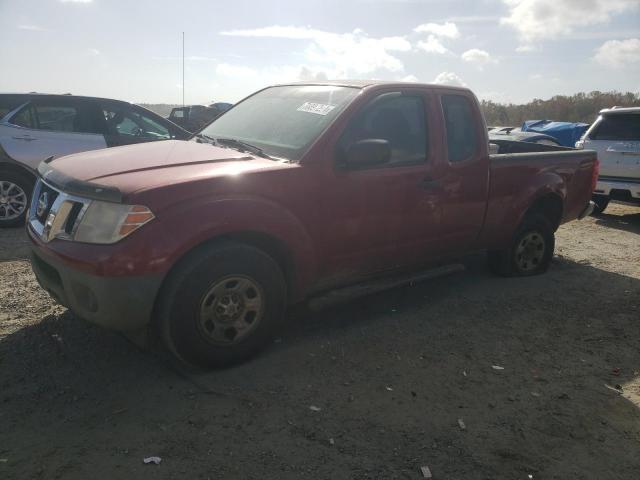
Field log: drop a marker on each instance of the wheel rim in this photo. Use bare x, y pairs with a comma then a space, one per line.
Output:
13, 200
530, 251
231, 309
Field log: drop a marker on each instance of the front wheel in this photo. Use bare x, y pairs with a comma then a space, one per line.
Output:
222, 305
15, 192
530, 252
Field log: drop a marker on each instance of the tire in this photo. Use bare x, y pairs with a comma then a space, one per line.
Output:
530, 252
15, 194
222, 305
601, 204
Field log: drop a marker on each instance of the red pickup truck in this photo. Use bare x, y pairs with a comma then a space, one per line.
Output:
297, 190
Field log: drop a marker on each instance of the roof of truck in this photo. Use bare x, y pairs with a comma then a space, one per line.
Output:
369, 83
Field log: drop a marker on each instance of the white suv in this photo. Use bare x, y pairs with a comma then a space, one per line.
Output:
615, 135
34, 127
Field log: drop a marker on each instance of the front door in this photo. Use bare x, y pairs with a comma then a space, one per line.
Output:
383, 216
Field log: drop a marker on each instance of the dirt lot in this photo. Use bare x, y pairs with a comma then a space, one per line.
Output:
391, 376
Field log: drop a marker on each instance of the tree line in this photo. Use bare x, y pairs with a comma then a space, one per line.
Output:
581, 107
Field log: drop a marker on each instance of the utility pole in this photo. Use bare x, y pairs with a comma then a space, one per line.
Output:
183, 69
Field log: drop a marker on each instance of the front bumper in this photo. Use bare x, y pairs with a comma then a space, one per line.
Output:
123, 303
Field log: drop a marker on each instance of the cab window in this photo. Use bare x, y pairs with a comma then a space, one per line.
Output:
461, 127
397, 118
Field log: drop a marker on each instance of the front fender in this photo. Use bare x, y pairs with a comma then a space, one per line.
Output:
192, 223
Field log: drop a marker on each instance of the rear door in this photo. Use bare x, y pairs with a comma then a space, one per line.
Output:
46, 127
464, 178
616, 138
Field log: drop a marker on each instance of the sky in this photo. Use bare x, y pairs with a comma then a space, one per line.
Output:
504, 50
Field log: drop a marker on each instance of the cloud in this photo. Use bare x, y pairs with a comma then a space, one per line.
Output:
93, 52
478, 57
228, 70
527, 48
618, 53
271, 75
32, 28
445, 30
449, 78
537, 20
76, 1
353, 53
410, 78
432, 45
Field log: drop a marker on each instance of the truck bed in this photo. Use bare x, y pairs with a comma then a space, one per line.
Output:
520, 169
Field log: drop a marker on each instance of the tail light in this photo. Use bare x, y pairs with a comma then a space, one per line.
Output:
594, 174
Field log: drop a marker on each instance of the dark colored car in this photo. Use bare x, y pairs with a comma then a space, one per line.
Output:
195, 117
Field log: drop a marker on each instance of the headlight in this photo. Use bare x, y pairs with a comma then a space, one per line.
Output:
105, 222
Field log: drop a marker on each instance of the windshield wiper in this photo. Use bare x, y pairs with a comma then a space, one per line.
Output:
241, 146
202, 136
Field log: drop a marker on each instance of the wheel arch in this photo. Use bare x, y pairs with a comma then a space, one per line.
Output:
550, 205
276, 248
18, 169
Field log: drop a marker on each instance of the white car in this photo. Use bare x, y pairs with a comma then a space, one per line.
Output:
34, 127
615, 135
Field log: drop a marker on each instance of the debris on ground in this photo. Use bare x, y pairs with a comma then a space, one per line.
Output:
313, 408
497, 367
426, 472
461, 424
390, 389
154, 460
332, 441
616, 372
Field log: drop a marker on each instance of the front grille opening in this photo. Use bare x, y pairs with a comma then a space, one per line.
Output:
73, 216
49, 195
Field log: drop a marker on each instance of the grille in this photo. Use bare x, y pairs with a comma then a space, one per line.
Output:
45, 201
63, 211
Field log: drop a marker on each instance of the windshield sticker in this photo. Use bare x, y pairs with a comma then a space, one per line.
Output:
317, 108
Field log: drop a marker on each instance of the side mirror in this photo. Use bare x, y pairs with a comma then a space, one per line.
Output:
367, 153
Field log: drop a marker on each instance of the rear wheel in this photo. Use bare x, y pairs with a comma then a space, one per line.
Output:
222, 305
601, 204
530, 252
15, 192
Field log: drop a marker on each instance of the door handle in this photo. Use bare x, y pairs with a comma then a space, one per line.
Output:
429, 183
26, 138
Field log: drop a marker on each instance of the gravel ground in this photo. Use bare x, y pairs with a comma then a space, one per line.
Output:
375, 388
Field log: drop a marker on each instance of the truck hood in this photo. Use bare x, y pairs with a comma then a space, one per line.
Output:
113, 173
94, 165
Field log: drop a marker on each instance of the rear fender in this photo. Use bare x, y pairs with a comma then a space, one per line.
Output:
506, 211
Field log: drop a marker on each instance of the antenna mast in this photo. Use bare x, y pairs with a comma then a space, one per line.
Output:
183, 69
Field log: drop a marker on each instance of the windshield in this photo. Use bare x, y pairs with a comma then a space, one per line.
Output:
283, 121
